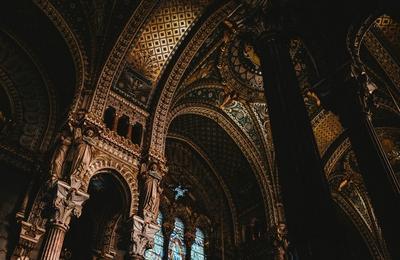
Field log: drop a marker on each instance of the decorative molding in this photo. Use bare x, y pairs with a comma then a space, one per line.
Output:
113, 65
159, 122
261, 173
75, 46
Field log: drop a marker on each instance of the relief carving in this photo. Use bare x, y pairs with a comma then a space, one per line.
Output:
67, 203
60, 153
151, 178
142, 237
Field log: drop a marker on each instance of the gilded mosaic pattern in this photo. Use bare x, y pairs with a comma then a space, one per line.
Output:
383, 58
390, 29
161, 34
327, 128
239, 114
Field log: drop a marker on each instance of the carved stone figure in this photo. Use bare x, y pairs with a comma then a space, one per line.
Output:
82, 153
60, 154
152, 191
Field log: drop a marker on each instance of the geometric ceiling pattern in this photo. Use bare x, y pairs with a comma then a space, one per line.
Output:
390, 30
161, 34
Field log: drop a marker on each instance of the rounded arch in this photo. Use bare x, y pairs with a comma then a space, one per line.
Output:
76, 48
224, 187
97, 232
113, 66
31, 95
171, 82
106, 164
245, 145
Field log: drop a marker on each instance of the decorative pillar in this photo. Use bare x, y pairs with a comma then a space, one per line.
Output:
351, 100
309, 208
142, 237
67, 203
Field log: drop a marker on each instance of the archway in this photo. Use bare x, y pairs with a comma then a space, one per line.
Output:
97, 233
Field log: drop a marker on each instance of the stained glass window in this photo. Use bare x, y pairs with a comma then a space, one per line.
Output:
197, 252
157, 252
176, 247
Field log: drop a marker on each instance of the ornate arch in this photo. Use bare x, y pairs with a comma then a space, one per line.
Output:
102, 163
245, 145
113, 66
75, 47
221, 182
163, 104
31, 95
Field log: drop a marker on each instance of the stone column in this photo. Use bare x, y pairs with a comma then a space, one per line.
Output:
67, 203
309, 208
142, 237
167, 228
115, 122
351, 100
189, 237
129, 134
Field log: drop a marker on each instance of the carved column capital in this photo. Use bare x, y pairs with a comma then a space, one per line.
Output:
142, 237
68, 202
30, 235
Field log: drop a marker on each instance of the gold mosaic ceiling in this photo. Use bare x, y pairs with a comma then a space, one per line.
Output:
161, 34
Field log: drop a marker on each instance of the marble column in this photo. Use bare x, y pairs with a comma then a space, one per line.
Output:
310, 211
67, 203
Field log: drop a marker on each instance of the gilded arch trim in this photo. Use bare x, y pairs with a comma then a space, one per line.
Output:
102, 163
261, 173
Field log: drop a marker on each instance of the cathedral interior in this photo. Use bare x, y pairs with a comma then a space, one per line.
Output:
199, 129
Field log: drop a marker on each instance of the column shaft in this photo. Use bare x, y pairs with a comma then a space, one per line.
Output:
53, 243
309, 208
378, 175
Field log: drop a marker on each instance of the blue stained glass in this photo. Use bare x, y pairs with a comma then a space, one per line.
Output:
197, 252
157, 252
176, 248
